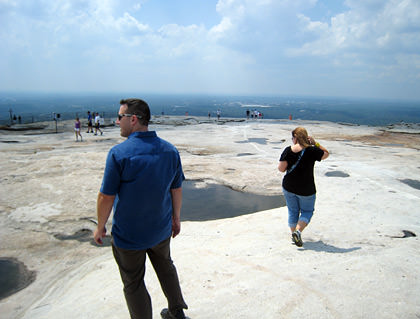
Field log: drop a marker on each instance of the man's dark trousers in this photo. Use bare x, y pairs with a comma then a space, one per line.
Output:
131, 264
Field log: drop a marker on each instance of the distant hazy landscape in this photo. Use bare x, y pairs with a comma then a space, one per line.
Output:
41, 106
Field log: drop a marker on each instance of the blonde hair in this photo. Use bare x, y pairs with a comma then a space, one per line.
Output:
301, 136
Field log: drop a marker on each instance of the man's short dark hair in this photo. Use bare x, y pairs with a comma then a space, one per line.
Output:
138, 107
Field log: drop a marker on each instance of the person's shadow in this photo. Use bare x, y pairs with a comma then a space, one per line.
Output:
321, 246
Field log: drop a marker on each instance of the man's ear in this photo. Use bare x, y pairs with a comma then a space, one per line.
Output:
133, 120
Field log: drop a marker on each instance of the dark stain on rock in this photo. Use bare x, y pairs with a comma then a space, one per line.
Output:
336, 174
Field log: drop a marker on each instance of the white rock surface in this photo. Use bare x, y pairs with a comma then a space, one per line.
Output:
351, 266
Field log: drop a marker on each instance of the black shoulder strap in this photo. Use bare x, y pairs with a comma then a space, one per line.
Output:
297, 162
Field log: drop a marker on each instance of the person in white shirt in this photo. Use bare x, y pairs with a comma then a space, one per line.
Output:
97, 124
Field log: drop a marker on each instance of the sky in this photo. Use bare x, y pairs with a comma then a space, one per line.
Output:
351, 48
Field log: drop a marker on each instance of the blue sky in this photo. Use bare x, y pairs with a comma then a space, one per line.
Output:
352, 48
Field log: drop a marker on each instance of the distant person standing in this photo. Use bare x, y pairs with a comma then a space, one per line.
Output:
247, 114
77, 128
98, 124
218, 114
89, 118
143, 184
299, 183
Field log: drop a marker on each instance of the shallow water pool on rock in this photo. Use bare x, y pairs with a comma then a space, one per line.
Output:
213, 201
411, 182
336, 174
14, 276
217, 201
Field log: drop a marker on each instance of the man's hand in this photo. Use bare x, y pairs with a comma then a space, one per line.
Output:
103, 209
176, 226
98, 234
176, 194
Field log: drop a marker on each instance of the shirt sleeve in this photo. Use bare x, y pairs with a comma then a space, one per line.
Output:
318, 153
283, 156
112, 176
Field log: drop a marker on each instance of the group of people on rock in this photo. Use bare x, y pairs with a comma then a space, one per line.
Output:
218, 114
97, 120
142, 183
254, 114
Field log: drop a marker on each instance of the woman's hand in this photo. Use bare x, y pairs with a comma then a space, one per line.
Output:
311, 140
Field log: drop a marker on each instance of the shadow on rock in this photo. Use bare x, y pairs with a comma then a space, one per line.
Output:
321, 246
84, 235
406, 234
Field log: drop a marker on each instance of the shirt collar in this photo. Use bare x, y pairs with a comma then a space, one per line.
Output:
143, 134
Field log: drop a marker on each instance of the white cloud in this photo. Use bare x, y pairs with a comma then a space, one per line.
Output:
259, 45
137, 6
371, 25
127, 23
219, 31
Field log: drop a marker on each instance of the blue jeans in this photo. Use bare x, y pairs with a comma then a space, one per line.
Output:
300, 207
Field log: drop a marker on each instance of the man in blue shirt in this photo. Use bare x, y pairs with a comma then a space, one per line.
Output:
89, 118
142, 183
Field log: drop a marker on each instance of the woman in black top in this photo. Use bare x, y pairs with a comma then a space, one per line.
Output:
298, 183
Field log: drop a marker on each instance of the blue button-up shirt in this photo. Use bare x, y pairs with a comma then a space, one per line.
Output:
141, 171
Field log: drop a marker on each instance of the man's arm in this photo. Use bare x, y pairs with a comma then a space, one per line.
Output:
176, 194
103, 208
